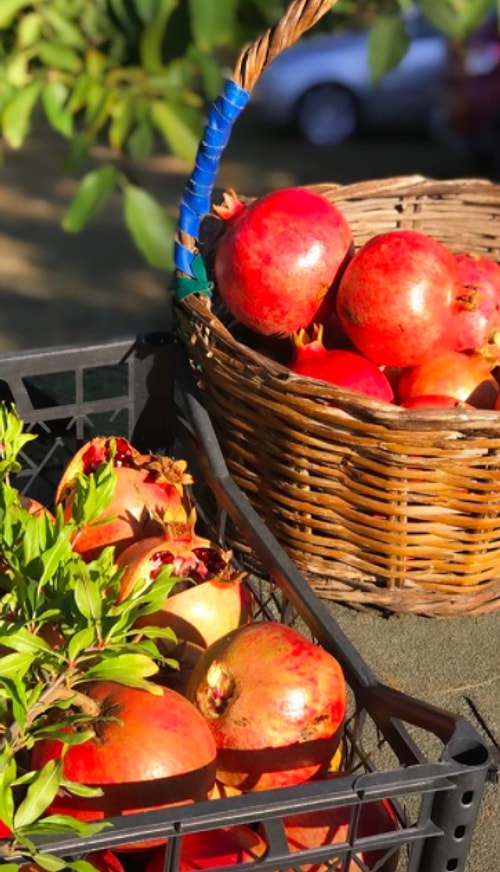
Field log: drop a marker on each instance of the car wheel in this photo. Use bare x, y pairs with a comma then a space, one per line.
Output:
327, 115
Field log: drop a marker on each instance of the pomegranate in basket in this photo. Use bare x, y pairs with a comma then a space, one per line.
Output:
398, 298
280, 258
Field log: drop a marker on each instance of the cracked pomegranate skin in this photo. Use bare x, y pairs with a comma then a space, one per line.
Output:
275, 703
397, 298
279, 258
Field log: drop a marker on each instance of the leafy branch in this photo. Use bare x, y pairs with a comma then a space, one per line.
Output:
61, 626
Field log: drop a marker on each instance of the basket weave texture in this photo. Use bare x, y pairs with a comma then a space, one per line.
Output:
379, 507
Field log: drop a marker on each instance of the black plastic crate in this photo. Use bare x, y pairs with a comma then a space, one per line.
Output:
431, 764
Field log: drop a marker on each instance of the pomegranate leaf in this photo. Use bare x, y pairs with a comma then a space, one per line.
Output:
212, 25
40, 793
12, 439
88, 599
9, 9
54, 99
136, 667
8, 771
95, 188
179, 125
150, 227
79, 641
16, 117
387, 45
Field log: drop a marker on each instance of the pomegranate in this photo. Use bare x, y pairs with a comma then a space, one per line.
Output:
280, 259
226, 846
210, 598
147, 486
105, 861
435, 401
466, 377
149, 751
331, 826
398, 296
478, 319
275, 703
339, 366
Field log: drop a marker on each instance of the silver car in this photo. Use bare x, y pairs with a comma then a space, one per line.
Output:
323, 87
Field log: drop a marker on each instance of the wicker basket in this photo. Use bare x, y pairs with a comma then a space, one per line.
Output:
379, 507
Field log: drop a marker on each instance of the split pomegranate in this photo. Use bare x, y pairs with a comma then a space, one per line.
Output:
478, 319
210, 598
398, 296
465, 377
280, 258
226, 846
275, 703
149, 751
147, 486
339, 366
331, 826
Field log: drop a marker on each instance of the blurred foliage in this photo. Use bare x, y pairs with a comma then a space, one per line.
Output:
139, 75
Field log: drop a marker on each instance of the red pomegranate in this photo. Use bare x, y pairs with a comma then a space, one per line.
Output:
466, 377
478, 319
279, 260
150, 750
226, 846
105, 861
275, 703
435, 401
331, 827
398, 296
339, 366
210, 598
147, 486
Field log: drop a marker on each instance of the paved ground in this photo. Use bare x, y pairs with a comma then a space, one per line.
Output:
56, 289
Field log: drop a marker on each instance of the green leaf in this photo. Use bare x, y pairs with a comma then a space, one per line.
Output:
54, 98
79, 642
16, 119
121, 121
151, 228
49, 862
40, 794
24, 641
88, 599
9, 9
140, 142
94, 190
180, 127
29, 29
210, 72
456, 18
67, 30
212, 24
387, 45
7, 778
151, 42
15, 665
129, 669
57, 824
60, 57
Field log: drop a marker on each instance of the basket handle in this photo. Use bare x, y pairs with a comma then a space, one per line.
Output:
300, 16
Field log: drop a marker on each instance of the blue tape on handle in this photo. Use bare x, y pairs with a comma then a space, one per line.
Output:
196, 200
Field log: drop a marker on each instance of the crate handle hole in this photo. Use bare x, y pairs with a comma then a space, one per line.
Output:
452, 864
459, 832
467, 797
